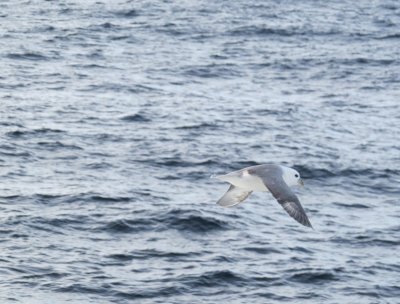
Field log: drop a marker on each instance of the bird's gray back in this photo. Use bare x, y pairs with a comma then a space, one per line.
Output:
271, 176
269, 173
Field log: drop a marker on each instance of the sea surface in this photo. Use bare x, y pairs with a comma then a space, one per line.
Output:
114, 115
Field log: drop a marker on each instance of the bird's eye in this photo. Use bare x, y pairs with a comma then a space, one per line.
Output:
296, 175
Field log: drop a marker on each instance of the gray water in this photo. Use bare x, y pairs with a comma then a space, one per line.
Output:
115, 114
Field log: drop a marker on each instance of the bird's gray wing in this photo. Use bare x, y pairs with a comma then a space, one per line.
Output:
286, 197
233, 196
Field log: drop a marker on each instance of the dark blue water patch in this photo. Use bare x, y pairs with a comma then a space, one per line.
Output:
390, 291
148, 293
192, 175
99, 166
199, 126
307, 63
314, 277
285, 111
224, 259
128, 226
121, 257
48, 275
193, 223
5, 232
177, 162
169, 177
89, 66
363, 61
175, 30
375, 241
108, 25
46, 228
128, 38
57, 145
127, 13
391, 6
176, 219
44, 29
81, 198
323, 173
11, 123
219, 278
273, 296
137, 117
395, 36
280, 32
228, 279
365, 241
389, 267
362, 292
80, 288
115, 87
65, 222
16, 153
37, 198
24, 133
172, 256
351, 206
375, 88
10, 198
225, 71
262, 250
103, 137
28, 56
20, 236
103, 198
302, 250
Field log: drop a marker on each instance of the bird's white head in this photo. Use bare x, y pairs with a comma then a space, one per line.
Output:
291, 177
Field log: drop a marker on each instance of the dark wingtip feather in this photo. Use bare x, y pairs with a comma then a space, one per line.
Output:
308, 224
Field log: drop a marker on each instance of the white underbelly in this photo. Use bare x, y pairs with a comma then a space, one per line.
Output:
246, 182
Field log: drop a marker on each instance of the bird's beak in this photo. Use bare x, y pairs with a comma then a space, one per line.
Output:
301, 183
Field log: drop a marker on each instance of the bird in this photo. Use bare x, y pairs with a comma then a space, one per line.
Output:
276, 179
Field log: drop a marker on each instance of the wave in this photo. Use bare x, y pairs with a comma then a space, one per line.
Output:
213, 71
150, 254
149, 293
28, 56
214, 278
355, 205
197, 126
262, 250
127, 13
370, 239
313, 277
56, 145
309, 172
35, 132
136, 118
390, 36
181, 220
283, 32
178, 162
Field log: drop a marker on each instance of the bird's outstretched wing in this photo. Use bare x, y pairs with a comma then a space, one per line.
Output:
233, 196
286, 197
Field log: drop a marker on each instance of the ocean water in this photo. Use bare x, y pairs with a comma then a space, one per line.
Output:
114, 114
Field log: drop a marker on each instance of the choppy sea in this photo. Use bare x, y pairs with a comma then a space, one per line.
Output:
114, 114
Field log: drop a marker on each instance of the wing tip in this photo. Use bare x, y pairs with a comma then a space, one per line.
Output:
307, 223
310, 226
